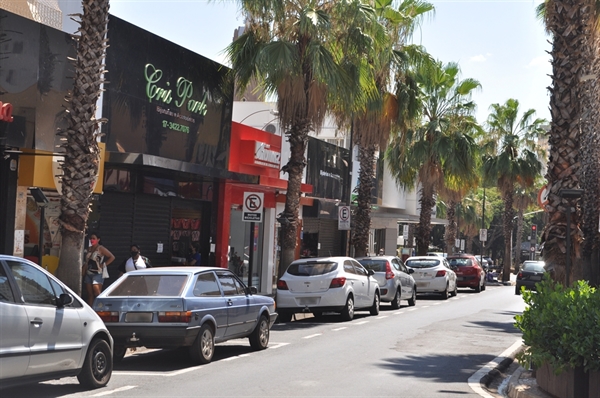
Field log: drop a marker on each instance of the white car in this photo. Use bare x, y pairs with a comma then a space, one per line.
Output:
433, 275
47, 331
317, 285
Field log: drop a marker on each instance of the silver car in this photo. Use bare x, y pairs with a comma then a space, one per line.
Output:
394, 278
433, 274
46, 331
192, 307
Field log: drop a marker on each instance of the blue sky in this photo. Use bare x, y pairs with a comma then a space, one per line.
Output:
500, 43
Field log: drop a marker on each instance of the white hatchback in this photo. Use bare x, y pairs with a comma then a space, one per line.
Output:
433, 274
327, 284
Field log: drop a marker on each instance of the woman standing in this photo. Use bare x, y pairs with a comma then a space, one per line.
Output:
96, 258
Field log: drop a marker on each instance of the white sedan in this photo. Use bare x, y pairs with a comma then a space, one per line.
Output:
433, 275
317, 285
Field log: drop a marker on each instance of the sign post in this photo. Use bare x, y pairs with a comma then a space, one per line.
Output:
253, 206
344, 217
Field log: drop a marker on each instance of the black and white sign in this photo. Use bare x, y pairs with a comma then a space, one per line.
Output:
344, 218
253, 206
483, 235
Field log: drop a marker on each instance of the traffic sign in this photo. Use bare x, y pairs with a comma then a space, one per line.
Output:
483, 235
344, 216
253, 206
542, 197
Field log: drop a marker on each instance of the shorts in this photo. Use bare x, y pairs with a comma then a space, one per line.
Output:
93, 279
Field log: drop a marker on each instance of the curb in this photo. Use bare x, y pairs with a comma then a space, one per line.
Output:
481, 379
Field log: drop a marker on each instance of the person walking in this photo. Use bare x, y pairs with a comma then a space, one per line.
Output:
97, 258
135, 262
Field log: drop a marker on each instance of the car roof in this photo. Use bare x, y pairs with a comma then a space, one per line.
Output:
179, 270
424, 258
375, 258
323, 259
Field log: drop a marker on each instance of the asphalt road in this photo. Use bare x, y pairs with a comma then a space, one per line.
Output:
429, 350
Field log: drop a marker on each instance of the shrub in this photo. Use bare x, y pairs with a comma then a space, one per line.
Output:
561, 326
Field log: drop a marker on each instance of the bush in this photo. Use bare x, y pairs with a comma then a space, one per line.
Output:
561, 326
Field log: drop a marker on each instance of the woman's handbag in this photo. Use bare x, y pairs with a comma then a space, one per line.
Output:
105, 272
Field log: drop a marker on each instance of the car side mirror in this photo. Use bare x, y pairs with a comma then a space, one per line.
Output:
370, 272
253, 290
63, 300
411, 271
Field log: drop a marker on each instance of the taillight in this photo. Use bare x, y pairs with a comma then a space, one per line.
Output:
281, 285
108, 316
337, 282
520, 275
388, 271
440, 273
175, 316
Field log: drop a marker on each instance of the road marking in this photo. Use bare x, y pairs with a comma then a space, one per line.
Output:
437, 303
103, 393
338, 329
398, 312
312, 335
475, 380
424, 306
414, 309
381, 317
361, 323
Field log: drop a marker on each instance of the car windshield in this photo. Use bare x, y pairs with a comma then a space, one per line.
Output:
374, 265
533, 266
311, 268
422, 263
150, 285
460, 262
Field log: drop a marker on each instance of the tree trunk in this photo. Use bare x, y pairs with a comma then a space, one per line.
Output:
289, 219
424, 227
507, 225
80, 145
451, 228
362, 215
519, 239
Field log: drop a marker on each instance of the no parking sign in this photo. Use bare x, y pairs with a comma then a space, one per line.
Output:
344, 218
253, 206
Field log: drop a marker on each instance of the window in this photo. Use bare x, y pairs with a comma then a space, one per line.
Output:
311, 268
150, 285
360, 270
207, 286
348, 267
6, 293
33, 283
375, 265
230, 285
58, 290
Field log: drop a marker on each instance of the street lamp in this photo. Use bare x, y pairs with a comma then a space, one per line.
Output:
273, 112
569, 194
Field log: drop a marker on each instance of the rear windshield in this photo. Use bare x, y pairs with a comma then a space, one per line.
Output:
311, 269
534, 267
150, 285
375, 265
460, 262
422, 263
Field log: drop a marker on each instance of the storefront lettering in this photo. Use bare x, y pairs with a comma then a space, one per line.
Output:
6, 110
265, 156
184, 91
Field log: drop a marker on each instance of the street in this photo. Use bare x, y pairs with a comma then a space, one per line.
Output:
429, 350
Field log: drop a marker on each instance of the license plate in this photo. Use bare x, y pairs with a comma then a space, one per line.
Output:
460, 278
308, 301
138, 317
422, 284
535, 278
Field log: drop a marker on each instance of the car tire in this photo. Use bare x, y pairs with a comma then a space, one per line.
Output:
396, 300
97, 366
478, 288
119, 352
454, 293
517, 290
375, 307
413, 300
484, 285
203, 348
348, 310
284, 316
444, 294
259, 339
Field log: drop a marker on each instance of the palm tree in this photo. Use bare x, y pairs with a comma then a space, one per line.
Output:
513, 163
439, 153
523, 199
305, 52
79, 141
372, 125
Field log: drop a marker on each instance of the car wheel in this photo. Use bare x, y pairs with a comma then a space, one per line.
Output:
98, 365
259, 339
455, 291
517, 290
119, 352
203, 348
284, 317
375, 306
348, 311
413, 300
484, 285
478, 288
444, 294
396, 300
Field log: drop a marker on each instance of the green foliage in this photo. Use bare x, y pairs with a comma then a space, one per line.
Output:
561, 326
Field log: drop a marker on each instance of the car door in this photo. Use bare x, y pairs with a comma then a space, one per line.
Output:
402, 273
355, 282
208, 300
365, 283
14, 330
451, 275
240, 319
55, 334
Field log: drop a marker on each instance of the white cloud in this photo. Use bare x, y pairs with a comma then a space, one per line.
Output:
541, 61
478, 58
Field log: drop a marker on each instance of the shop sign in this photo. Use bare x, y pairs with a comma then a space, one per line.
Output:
6, 110
265, 156
253, 206
344, 216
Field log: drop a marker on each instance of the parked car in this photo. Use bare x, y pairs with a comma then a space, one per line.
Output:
531, 273
433, 274
47, 331
439, 254
193, 307
469, 272
395, 280
327, 284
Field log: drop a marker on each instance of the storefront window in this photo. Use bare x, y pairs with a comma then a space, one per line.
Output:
246, 249
117, 180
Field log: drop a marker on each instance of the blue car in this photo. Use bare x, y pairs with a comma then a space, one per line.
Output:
193, 307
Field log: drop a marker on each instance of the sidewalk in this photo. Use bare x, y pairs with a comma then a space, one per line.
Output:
522, 384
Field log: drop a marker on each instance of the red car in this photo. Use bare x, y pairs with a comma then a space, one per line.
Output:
469, 272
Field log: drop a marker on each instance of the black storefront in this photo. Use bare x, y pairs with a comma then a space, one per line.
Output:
327, 171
